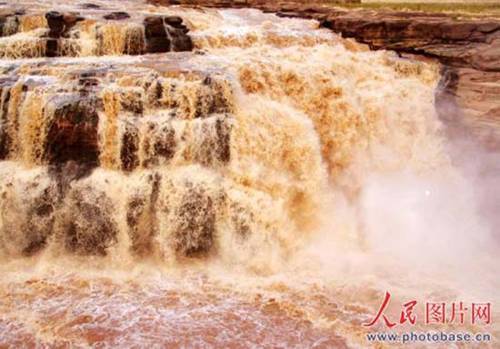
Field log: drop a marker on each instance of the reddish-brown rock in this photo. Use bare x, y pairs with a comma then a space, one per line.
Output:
72, 134
458, 43
157, 38
60, 23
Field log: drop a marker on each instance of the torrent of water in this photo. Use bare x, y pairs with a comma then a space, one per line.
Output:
271, 135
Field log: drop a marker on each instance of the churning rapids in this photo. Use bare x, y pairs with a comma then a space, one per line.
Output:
191, 177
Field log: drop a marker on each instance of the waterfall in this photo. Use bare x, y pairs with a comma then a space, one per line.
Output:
185, 140
230, 148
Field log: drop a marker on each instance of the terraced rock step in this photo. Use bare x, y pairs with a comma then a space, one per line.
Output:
121, 116
75, 127
53, 33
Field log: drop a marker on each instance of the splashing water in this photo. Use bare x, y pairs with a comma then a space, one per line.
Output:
264, 189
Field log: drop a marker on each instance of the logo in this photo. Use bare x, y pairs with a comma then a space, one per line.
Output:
435, 313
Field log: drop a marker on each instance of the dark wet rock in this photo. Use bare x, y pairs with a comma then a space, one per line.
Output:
41, 220
73, 131
4, 136
88, 79
59, 23
223, 130
154, 26
7, 126
159, 145
180, 41
59, 26
55, 20
156, 36
51, 48
194, 226
130, 147
3, 143
86, 225
139, 223
157, 44
119, 15
164, 144
87, 82
174, 21
157, 39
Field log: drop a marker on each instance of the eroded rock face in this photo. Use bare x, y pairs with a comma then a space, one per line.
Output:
194, 226
456, 43
468, 103
86, 225
72, 133
55, 22
83, 33
166, 33
81, 124
4, 103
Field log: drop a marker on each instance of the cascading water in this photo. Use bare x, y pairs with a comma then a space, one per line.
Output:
143, 190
